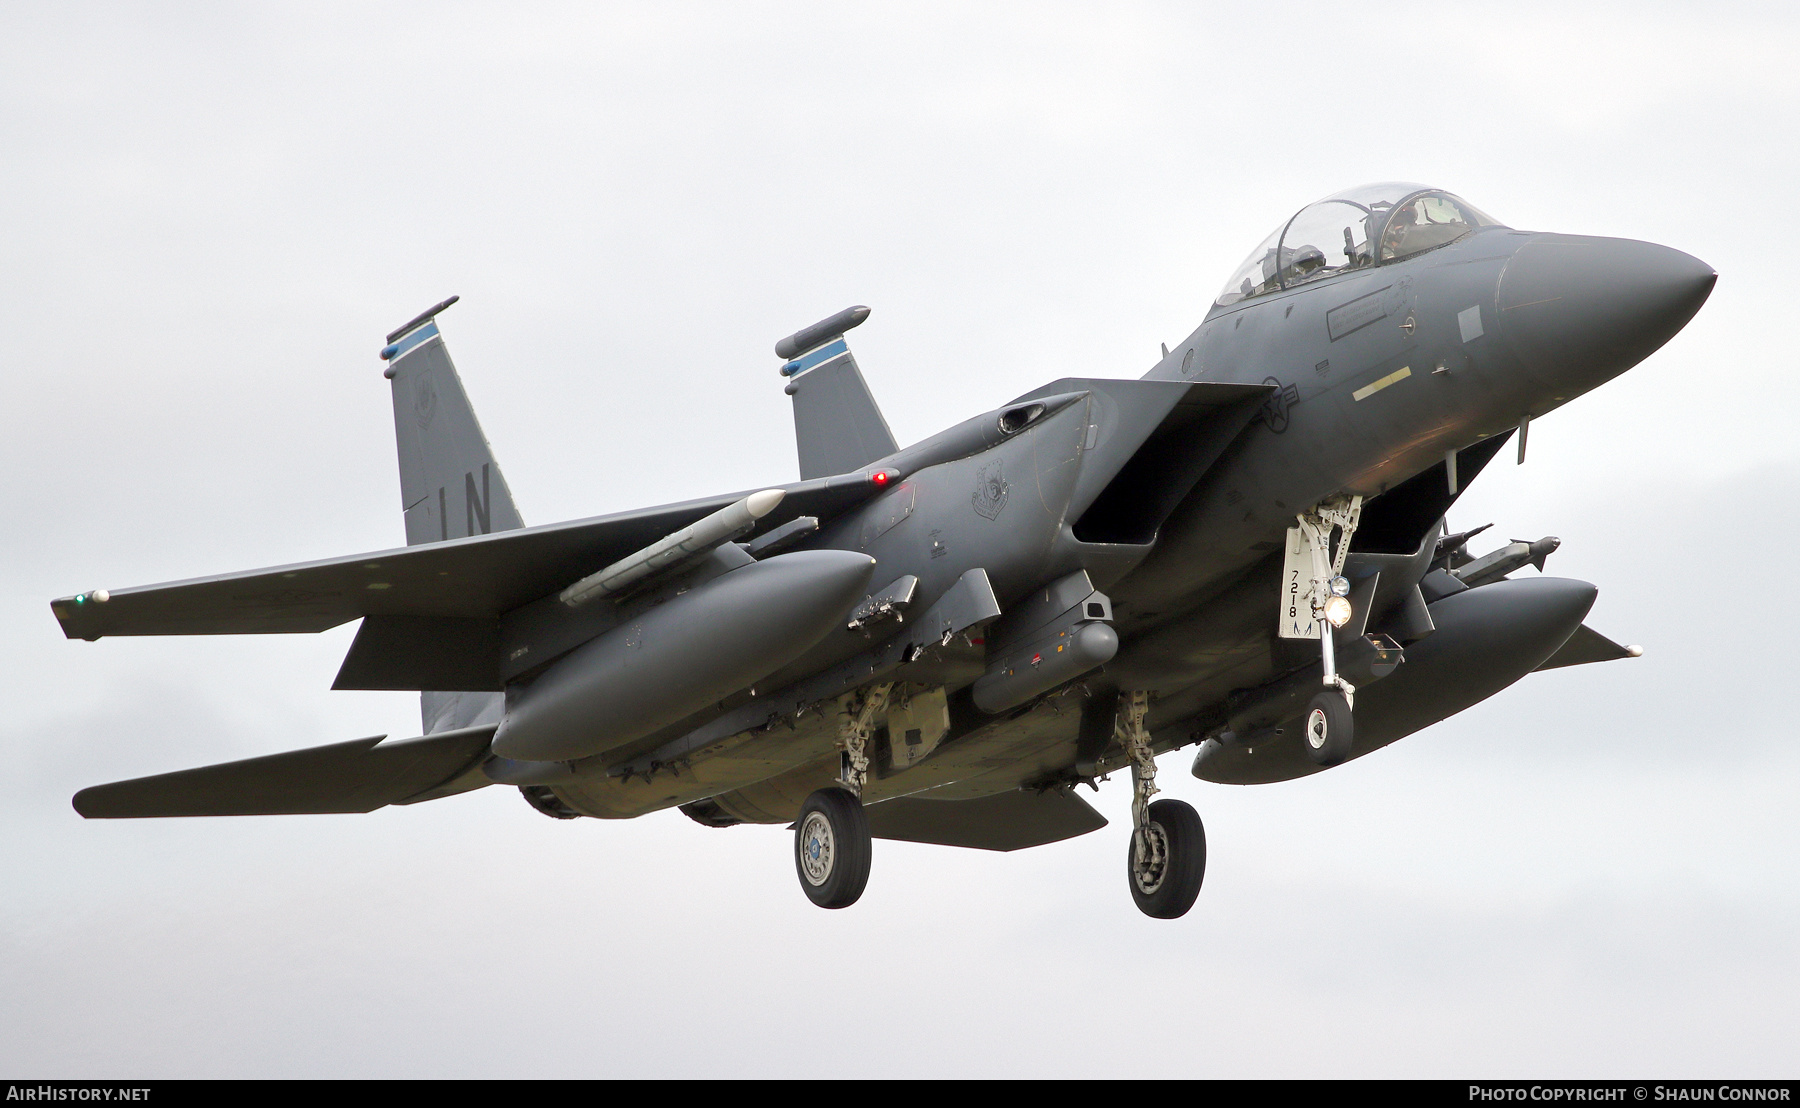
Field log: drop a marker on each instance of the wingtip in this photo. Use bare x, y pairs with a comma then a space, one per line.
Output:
73, 612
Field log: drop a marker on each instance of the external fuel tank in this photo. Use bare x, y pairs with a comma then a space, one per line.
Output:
681, 655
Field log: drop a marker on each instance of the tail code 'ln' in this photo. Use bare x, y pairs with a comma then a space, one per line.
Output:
450, 485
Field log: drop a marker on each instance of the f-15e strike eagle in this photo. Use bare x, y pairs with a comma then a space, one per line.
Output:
1244, 550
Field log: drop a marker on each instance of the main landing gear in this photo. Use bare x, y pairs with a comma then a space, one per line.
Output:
1167, 860
831, 848
832, 844
1165, 865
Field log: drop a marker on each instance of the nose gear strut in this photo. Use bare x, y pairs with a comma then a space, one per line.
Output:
1329, 730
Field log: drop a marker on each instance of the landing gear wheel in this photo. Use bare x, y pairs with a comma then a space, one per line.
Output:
831, 848
1167, 860
1329, 729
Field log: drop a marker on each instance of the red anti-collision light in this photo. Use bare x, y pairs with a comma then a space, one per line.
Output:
881, 477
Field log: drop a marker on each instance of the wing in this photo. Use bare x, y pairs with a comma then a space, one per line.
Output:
477, 577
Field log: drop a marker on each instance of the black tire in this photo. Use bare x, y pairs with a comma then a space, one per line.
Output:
1328, 729
1168, 894
832, 848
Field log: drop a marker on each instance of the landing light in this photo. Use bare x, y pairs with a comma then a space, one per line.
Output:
1340, 586
1337, 610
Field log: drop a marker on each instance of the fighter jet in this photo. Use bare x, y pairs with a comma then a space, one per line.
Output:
1244, 551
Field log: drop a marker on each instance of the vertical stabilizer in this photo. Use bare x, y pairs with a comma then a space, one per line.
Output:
837, 426
450, 485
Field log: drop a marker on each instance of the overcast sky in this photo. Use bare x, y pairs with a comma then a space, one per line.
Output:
210, 215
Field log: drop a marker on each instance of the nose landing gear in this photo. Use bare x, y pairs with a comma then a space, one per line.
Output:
1330, 724
1330, 727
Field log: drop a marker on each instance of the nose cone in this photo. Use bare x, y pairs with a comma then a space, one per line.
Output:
1579, 310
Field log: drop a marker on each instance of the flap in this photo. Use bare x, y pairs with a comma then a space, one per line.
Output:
427, 653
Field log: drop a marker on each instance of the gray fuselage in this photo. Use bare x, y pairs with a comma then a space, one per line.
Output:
1369, 379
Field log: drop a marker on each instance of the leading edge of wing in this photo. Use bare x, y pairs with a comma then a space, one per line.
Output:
477, 576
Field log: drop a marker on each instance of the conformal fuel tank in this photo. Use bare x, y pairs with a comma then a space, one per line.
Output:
682, 655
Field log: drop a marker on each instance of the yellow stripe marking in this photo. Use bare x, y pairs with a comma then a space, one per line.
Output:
1374, 387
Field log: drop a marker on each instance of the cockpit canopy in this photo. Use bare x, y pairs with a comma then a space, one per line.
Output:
1335, 234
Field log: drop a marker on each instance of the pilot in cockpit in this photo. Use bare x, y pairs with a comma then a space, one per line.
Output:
1399, 229
1377, 224
1428, 221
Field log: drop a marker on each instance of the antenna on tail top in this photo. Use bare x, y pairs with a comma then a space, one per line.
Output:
823, 331
416, 320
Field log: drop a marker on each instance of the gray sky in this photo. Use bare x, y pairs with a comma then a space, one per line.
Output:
215, 212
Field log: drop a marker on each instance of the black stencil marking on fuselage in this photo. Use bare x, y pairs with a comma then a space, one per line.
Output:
1275, 410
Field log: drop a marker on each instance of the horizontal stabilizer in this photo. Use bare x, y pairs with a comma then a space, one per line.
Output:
1588, 645
356, 776
1005, 821
478, 577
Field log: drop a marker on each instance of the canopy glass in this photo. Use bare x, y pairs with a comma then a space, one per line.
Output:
1335, 234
